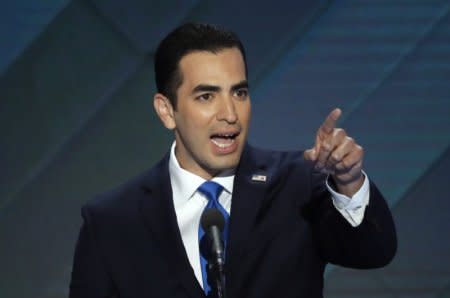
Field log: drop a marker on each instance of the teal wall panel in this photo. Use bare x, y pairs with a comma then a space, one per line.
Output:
76, 119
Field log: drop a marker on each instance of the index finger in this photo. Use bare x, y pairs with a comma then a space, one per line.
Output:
330, 122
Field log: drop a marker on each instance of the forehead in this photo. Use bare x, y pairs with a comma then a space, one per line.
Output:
223, 67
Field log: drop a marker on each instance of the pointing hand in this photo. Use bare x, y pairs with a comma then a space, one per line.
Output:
337, 154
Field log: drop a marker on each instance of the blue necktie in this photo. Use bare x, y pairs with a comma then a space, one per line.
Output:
212, 191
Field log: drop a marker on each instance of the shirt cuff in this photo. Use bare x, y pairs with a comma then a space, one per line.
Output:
352, 209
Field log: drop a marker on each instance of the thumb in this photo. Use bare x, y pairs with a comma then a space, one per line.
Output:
310, 154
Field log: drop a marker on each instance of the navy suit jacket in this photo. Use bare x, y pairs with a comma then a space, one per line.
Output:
283, 231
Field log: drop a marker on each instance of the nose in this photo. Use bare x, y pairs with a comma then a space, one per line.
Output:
227, 110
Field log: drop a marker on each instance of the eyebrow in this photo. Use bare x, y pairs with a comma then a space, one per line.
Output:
205, 88
213, 88
240, 85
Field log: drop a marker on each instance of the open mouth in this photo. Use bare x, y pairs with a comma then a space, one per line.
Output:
224, 140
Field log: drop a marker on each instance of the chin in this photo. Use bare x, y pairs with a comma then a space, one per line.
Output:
229, 164
218, 164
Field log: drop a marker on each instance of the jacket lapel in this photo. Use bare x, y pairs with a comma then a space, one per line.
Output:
159, 215
249, 188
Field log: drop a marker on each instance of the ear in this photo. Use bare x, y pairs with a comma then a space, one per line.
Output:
165, 110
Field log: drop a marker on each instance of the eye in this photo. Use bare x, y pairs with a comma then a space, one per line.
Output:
204, 97
242, 93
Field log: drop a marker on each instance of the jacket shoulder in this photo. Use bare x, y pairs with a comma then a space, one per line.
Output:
275, 159
125, 197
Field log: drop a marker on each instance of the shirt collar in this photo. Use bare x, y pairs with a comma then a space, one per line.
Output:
185, 183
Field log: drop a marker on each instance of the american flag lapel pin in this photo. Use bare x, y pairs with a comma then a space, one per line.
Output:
259, 178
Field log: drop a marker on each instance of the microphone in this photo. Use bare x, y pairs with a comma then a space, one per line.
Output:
213, 222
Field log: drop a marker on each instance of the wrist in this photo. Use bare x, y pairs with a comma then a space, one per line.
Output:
349, 187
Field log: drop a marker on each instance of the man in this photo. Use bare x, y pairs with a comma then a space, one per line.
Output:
290, 213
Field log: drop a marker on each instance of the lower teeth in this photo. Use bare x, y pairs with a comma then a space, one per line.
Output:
222, 145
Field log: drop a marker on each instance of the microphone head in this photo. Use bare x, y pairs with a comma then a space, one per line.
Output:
212, 217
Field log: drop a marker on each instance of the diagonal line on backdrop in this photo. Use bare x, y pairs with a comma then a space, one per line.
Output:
389, 72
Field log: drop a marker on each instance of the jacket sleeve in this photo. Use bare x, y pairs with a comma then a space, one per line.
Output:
89, 274
371, 244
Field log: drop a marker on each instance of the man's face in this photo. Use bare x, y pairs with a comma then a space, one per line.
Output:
212, 113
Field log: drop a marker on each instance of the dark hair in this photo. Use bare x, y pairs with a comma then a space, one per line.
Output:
183, 40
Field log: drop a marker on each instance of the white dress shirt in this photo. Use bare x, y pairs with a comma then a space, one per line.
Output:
189, 205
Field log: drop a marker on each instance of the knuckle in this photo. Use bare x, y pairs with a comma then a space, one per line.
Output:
351, 141
346, 164
340, 132
359, 150
326, 147
335, 156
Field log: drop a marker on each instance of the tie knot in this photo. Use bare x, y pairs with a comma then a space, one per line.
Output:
211, 190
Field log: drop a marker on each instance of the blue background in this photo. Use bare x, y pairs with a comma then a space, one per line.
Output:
76, 117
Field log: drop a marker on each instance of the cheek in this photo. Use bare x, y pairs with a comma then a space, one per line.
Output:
244, 113
204, 114
200, 120
192, 125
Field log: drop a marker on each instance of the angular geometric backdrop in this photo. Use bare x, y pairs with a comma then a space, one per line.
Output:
76, 117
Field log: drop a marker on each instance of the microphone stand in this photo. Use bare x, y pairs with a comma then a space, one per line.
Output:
213, 223
217, 263
218, 276
220, 279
